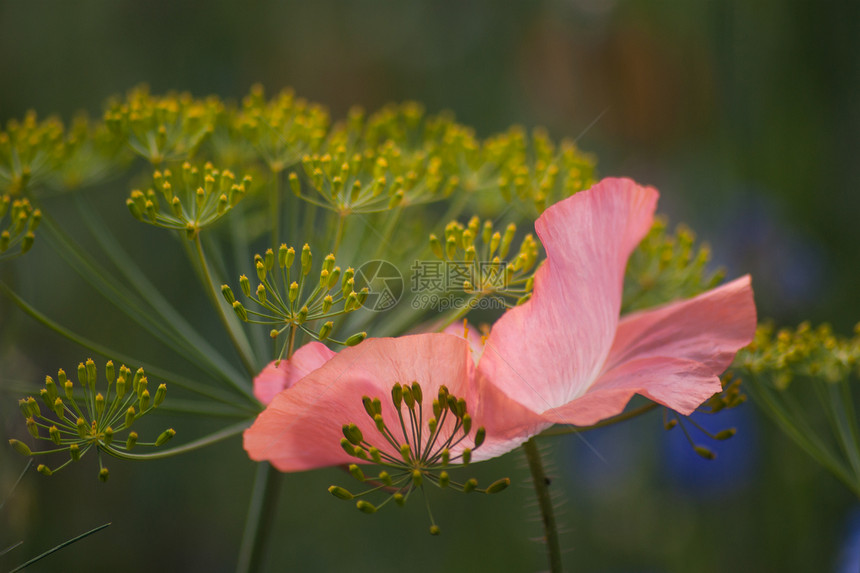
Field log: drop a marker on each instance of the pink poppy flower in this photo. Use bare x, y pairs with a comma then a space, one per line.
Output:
565, 356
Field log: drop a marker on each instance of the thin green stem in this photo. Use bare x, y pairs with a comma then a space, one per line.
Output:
799, 431
58, 547
261, 510
203, 390
623, 417
129, 303
240, 342
275, 208
338, 235
213, 438
541, 483
267, 485
147, 291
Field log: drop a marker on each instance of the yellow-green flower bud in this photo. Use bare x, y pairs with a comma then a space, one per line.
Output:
144, 400
129, 416
131, 441
365, 506
417, 478
261, 270
110, 372
467, 456
353, 434
294, 291
295, 184
261, 293
69, 387
704, 452
20, 447
104, 474
269, 259
75, 452
508, 237
302, 315
356, 338
108, 436
176, 207
160, 393
375, 455
356, 472
227, 292
470, 485
406, 453
121, 386
44, 470
83, 428
54, 434
245, 285
240, 310
498, 485
480, 435
325, 330
46, 399
100, 404
138, 379
408, 397
725, 434
32, 427
82, 375
355, 193
165, 436
340, 492
307, 259
436, 246
51, 388
444, 479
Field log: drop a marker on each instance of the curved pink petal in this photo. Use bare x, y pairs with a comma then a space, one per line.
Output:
549, 350
683, 384
672, 354
275, 378
301, 428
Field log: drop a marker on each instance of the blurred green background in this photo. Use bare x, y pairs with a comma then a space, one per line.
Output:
744, 115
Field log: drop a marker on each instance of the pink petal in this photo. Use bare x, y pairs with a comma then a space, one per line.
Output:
549, 350
273, 379
471, 334
301, 428
681, 384
672, 354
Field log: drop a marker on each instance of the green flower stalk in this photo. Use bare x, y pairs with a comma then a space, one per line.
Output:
77, 420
